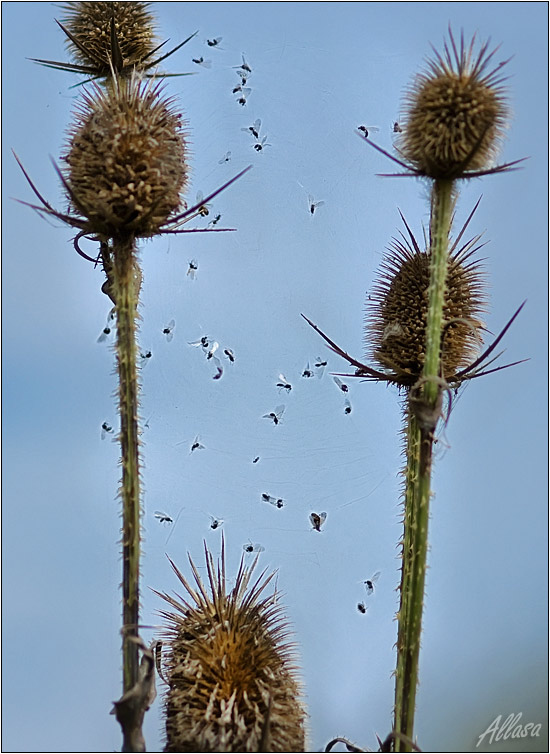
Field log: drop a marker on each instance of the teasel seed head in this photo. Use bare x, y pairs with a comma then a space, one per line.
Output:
396, 311
455, 113
126, 159
229, 667
90, 26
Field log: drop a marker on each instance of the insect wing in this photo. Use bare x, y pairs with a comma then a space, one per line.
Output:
106, 429
163, 518
169, 327
250, 547
196, 444
317, 520
312, 204
367, 130
201, 342
320, 365
244, 65
202, 208
104, 334
343, 387
213, 348
369, 583
279, 411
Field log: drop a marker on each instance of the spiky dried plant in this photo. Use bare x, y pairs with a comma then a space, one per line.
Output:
126, 160
396, 316
454, 115
423, 326
125, 173
110, 38
230, 669
455, 112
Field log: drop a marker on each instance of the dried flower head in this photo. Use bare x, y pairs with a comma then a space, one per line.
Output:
455, 113
89, 33
396, 317
229, 667
395, 331
126, 160
110, 38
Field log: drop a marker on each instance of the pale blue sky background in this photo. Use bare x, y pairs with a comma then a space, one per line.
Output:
319, 71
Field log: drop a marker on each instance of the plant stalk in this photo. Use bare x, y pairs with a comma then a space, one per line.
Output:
424, 409
125, 286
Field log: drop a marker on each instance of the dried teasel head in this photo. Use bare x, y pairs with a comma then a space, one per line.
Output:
110, 38
455, 113
90, 27
126, 160
230, 670
395, 326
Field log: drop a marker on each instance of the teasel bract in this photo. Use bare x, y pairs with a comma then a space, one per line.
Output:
229, 666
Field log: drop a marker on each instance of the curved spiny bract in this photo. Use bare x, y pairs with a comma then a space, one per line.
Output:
231, 673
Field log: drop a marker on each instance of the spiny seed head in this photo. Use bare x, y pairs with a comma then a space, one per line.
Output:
229, 667
396, 312
454, 113
90, 25
126, 159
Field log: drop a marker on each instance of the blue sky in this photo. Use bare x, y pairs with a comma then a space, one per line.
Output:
319, 71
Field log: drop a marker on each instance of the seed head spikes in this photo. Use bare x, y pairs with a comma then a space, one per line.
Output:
229, 668
110, 38
454, 115
395, 324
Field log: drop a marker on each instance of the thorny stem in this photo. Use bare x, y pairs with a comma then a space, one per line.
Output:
125, 285
440, 226
422, 415
404, 641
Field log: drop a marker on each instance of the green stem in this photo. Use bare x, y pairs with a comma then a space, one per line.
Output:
422, 416
440, 227
403, 638
125, 288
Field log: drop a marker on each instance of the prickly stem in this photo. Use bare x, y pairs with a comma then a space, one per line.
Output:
125, 286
